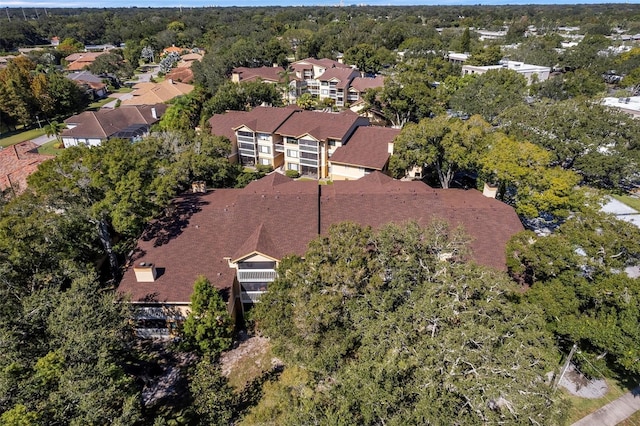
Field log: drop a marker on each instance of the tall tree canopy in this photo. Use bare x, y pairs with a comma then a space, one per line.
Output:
391, 332
578, 276
595, 141
447, 145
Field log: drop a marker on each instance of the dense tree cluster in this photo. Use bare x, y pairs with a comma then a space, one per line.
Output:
29, 93
378, 328
374, 327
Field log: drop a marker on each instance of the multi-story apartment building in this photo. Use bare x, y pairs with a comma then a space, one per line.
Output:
287, 137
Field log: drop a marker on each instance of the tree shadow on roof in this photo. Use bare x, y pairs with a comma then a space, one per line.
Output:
174, 221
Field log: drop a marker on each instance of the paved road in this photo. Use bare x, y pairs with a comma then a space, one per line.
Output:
614, 412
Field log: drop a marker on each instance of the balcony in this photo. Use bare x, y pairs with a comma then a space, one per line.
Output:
256, 275
309, 162
279, 148
250, 296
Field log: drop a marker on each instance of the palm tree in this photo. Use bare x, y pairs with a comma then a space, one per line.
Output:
55, 128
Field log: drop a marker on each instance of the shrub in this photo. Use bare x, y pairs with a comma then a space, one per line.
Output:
293, 174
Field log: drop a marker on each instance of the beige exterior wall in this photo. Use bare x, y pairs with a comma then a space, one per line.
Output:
346, 172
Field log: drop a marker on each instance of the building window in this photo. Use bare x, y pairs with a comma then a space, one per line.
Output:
332, 142
325, 92
265, 162
245, 134
293, 166
265, 149
264, 136
292, 153
293, 141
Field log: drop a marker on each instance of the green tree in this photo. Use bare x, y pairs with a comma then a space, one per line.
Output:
527, 180
112, 63
390, 332
593, 140
55, 129
213, 398
447, 145
577, 276
490, 93
306, 101
208, 327
465, 44
242, 96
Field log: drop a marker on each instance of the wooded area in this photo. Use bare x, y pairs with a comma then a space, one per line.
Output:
372, 326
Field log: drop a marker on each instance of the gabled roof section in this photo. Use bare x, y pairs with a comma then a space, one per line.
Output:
268, 183
342, 75
362, 84
266, 119
367, 147
262, 73
260, 242
104, 123
321, 125
208, 229
148, 93
224, 124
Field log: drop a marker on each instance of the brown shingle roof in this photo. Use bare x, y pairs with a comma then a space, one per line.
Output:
367, 147
182, 74
223, 124
321, 125
262, 73
280, 216
17, 162
106, 122
267, 119
361, 84
343, 75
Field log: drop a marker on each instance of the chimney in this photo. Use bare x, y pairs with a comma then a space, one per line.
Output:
198, 186
390, 148
170, 80
154, 113
490, 190
145, 272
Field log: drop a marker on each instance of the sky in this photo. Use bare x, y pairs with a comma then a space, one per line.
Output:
226, 3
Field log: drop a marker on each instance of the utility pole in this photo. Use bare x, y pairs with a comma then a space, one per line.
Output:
566, 365
8, 16
25, 16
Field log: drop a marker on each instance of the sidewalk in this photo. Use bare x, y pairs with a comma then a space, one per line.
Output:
614, 412
41, 140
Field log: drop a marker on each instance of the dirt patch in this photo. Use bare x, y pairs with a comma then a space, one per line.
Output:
249, 359
577, 384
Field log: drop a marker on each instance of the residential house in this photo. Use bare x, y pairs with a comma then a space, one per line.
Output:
287, 137
17, 162
94, 127
532, 73
93, 85
81, 60
182, 72
147, 93
237, 237
366, 151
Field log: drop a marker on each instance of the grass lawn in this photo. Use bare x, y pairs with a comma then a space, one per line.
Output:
581, 407
632, 202
634, 420
248, 362
20, 136
48, 149
94, 106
